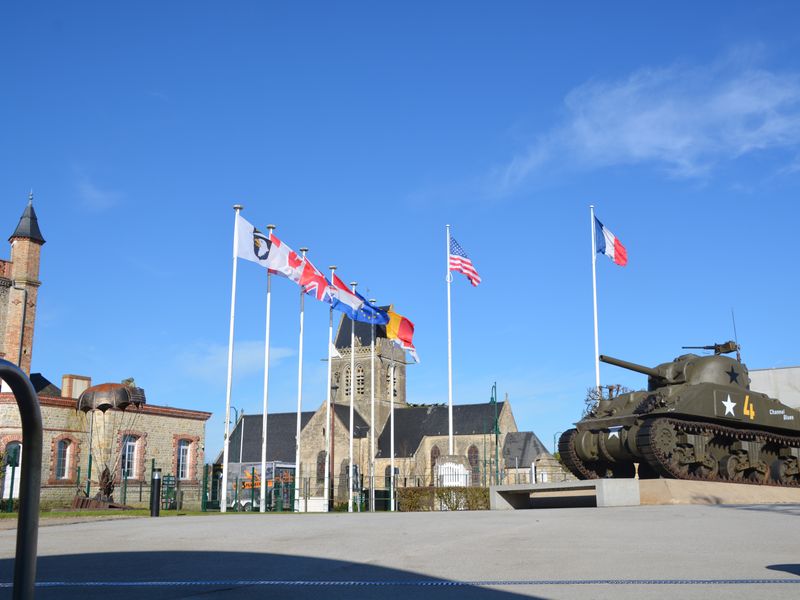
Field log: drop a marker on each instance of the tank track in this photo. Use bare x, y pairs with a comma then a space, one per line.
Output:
660, 461
570, 458
583, 470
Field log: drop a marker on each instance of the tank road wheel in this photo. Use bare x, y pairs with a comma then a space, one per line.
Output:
729, 468
758, 474
708, 469
784, 471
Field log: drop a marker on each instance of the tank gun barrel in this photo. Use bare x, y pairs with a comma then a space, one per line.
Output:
631, 366
724, 348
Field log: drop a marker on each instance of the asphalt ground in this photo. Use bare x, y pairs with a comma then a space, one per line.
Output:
632, 552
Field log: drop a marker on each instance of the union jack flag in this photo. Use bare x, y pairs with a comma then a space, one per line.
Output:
459, 261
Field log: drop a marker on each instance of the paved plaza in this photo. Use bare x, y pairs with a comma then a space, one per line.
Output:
632, 552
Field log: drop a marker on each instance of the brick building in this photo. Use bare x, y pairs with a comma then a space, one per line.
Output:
125, 441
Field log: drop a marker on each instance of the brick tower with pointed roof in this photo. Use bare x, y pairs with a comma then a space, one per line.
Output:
19, 286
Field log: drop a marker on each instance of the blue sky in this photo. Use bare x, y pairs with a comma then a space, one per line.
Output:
361, 129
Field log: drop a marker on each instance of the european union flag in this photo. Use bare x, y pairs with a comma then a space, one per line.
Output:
369, 313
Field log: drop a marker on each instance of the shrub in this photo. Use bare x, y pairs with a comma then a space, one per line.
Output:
415, 499
477, 498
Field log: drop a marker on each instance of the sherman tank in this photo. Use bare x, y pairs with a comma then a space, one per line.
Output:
698, 419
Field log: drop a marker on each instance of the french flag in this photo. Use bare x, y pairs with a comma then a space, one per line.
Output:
608, 244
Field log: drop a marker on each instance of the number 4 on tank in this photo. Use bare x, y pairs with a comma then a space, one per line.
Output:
749, 409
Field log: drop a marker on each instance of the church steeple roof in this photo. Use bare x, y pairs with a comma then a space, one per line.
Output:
28, 226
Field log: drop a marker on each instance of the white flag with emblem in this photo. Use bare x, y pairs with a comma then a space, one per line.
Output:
251, 244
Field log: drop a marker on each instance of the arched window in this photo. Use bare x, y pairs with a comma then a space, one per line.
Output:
389, 381
321, 467
474, 465
387, 477
63, 455
360, 380
128, 456
435, 454
347, 382
184, 458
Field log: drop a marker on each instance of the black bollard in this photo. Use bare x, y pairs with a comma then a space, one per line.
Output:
155, 493
30, 480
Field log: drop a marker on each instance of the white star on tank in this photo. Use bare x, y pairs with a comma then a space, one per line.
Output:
729, 407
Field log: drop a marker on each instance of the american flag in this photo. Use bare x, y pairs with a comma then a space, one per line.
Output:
459, 261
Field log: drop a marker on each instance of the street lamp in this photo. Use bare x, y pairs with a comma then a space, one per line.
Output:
331, 425
555, 435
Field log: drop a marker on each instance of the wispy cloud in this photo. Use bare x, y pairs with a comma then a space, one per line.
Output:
208, 362
683, 119
94, 197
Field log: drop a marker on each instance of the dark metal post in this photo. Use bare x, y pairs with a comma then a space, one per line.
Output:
253, 489
10, 505
155, 492
204, 497
30, 481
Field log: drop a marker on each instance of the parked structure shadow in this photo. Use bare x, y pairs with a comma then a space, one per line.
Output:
788, 568
233, 575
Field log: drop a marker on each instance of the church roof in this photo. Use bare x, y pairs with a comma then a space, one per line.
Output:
28, 226
413, 423
522, 448
363, 332
44, 387
281, 428
360, 426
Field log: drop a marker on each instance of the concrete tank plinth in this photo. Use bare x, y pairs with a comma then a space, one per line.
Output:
635, 492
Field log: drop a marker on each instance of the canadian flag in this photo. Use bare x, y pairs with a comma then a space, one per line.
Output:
284, 261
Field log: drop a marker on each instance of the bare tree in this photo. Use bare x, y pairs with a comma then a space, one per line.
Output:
604, 392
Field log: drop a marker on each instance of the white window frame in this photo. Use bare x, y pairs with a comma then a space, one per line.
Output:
183, 459
62, 468
128, 463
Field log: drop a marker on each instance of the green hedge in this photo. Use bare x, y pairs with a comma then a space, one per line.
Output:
414, 499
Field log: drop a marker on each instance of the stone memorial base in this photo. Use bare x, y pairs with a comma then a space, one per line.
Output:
635, 492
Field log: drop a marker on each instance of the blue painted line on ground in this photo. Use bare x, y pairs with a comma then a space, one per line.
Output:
404, 583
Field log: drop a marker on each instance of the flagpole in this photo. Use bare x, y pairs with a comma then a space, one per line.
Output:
224, 492
372, 420
594, 298
328, 437
299, 399
263, 487
391, 433
449, 351
353, 285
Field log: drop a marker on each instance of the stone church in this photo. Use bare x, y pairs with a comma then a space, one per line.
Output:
127, 442
420, 431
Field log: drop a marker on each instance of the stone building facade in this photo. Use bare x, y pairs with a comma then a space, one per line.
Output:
174, 438
157, 433
420, 431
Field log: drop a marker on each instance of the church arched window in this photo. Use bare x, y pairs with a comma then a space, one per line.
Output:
360, 380
435, 454
474, 465
389, 380
321, 467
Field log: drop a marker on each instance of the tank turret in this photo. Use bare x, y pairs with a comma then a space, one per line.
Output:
697, 419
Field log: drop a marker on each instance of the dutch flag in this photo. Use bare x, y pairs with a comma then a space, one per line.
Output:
608, 244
